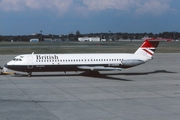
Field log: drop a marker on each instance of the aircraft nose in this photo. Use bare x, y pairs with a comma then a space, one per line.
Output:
6, 66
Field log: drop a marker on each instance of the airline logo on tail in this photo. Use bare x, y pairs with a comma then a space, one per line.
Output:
150, 46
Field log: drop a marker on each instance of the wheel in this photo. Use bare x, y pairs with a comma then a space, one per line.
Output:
15, 74
29, 74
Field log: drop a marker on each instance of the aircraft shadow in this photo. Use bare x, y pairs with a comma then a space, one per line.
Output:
106, 75
142, 73
102, 75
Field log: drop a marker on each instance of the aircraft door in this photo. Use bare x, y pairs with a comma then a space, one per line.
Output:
30, 62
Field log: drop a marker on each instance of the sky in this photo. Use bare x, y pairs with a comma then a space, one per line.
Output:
26, 17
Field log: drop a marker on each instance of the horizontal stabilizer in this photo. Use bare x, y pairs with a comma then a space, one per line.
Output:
158, 39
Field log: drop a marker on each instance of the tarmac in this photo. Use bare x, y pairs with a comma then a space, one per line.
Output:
146, 92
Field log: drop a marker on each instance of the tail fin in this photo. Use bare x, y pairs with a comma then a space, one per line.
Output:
149, 46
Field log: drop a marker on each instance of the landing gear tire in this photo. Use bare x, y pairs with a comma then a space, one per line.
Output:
16, 74
29, 74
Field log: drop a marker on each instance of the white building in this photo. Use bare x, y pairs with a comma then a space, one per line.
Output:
89, 39
34, 40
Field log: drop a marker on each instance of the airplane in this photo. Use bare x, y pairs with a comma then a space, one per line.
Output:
92, 62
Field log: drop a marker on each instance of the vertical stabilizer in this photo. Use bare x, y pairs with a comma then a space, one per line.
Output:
149, 46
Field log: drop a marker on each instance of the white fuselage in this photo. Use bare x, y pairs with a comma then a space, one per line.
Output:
75, 62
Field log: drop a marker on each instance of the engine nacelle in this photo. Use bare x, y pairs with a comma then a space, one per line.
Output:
132, 62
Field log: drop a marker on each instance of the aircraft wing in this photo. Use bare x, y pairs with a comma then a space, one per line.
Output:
99, 68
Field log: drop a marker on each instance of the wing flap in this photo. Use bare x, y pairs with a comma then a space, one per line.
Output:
99, 68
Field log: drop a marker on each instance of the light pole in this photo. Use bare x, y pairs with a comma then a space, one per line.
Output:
41, 36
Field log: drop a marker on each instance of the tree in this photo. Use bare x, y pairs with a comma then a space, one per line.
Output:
78, 34
0, 38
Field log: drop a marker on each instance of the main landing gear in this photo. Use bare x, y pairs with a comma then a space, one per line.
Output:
29, 74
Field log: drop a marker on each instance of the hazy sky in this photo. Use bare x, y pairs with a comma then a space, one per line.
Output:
25, 17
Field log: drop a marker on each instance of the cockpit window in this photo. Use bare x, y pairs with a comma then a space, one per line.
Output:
17, 59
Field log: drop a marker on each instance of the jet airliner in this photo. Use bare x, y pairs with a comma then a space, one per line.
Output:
93, 62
